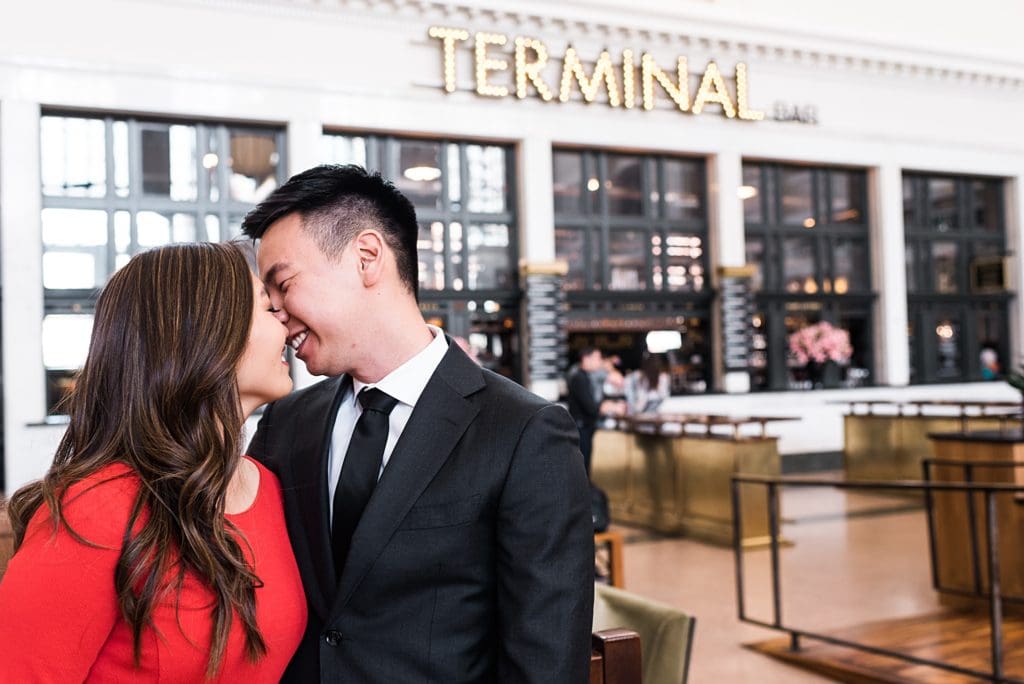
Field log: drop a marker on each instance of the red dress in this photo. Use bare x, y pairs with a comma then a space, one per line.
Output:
59, 617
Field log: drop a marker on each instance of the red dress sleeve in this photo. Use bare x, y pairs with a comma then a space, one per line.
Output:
57, 598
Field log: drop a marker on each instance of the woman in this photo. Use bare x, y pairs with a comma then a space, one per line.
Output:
152, 550
647, 386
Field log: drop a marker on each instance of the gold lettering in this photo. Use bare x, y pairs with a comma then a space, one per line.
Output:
742, 96
529, 71
713, 90
628, 79
485, 64
651, 72
603, 71
448, 36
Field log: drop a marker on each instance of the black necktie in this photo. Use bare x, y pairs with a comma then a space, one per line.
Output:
359, 470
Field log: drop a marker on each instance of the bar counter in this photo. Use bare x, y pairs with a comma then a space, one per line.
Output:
888, 440
672, 472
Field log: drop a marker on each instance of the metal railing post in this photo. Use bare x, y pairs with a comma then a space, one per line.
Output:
737, 546
773, 532
995, 591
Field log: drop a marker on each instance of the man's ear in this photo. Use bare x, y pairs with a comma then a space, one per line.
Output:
370, 252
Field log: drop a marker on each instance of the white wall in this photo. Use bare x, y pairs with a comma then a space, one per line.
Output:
944, 92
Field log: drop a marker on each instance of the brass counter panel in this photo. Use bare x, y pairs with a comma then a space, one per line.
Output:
952, 540
892, 447
681, 484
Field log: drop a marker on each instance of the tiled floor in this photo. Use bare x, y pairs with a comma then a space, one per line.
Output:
855, 558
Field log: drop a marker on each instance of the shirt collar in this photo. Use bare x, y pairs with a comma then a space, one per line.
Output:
407, 382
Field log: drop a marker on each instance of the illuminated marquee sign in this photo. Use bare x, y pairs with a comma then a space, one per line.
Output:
530, 56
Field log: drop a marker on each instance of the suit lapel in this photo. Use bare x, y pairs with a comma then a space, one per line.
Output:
441, 416
309, 471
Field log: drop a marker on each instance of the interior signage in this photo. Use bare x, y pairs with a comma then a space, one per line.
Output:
522, 67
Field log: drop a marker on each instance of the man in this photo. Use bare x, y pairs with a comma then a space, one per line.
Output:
585, 400
439, 512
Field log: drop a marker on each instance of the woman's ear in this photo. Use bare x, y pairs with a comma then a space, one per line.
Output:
370, 251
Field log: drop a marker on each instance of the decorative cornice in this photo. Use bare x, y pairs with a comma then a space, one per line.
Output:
744, 42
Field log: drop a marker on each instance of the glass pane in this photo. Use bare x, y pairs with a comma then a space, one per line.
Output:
70, 270
212, 162
850, 266
490, 263
253, 165
154, 229
66, 340
684, 189
568, 180
755, 258
457, 263
121, 166
942, 203
122, 232
570, 246
685, 262
212, 223
345, 149
911, 257
183, 228
486, 167
986, 248
796, 197
751, 192
454, 177
798, 273
74, 227
627, 260
910, 217
991, 326
430, 251
987, 204
73, 156
857, 323
800, 372
169, 162
948, 348
847, 200
625, 185
419, 172
759, 351
657, 256
944, 266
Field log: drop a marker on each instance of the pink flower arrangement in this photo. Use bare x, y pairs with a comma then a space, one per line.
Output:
820, 342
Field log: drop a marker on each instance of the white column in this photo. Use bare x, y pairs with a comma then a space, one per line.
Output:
21, 259
727, 243
536, 200
536, 232
305, 150
1014, 202
889, 268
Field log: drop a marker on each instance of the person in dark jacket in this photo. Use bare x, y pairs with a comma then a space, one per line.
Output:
586, 404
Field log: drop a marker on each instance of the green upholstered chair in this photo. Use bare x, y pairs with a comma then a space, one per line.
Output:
666, 634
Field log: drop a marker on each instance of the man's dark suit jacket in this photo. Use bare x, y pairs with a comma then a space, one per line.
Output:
473, 561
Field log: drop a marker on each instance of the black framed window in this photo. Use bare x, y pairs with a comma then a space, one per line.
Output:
633, 229
807, 237
116, 185
958, 322
468, 250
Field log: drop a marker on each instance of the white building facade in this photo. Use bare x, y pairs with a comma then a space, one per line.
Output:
852, 165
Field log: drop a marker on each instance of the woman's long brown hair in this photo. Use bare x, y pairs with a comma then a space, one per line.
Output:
158, 392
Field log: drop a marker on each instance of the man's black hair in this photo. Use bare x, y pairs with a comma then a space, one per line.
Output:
335, 203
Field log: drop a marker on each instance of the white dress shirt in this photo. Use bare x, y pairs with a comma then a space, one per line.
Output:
406, 383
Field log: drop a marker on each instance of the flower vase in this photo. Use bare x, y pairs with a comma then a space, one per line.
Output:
824, 375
